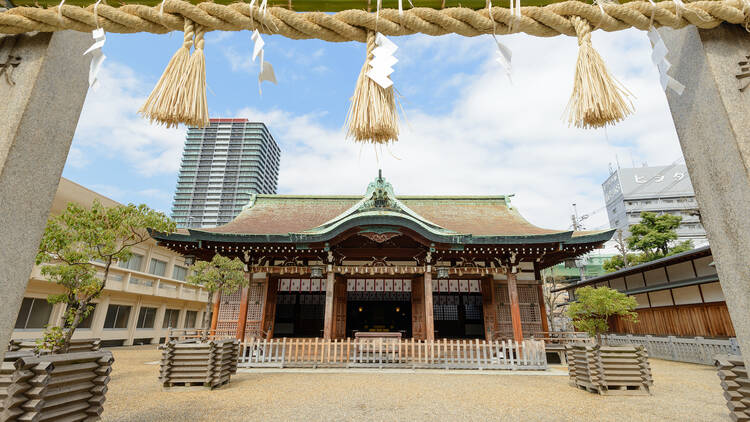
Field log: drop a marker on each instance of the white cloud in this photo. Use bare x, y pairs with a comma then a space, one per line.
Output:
496, 138
109, 126
77, 158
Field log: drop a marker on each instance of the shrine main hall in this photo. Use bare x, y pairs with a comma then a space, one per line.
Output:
425, 267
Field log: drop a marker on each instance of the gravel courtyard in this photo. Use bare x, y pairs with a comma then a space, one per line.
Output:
683, 392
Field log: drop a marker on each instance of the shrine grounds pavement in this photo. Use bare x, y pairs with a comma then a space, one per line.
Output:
681, 392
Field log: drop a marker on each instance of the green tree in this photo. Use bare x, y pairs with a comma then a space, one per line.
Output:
652, 237
654, 233
78, 237
221, 274
593, 308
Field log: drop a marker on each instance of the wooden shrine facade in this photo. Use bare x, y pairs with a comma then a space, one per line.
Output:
421, 267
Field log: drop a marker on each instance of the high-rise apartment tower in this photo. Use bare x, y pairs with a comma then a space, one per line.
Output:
223, 164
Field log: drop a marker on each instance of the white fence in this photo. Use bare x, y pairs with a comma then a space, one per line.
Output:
393, 353
694, 349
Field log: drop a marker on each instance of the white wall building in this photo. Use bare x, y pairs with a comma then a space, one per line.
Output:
662, 190
141, 300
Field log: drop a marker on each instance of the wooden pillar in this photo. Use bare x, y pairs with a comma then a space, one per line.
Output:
269, 307
417, 309
488, 308
543, 306
215, 313
242, 317
429, 323
329, 322
515, 310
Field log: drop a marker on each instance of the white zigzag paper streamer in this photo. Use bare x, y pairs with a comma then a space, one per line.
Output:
97, 57
266, 69
381, 65
504, 55
659, 57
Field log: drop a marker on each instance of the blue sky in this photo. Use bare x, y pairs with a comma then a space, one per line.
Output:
466, 129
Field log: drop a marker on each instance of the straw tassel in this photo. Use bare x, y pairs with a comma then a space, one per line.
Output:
191, 107
372, 114
598, 99
160, 104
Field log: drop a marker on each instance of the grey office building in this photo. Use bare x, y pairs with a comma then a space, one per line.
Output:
663, 190
223, 165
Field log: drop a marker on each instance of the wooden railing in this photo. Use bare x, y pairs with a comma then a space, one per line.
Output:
387, 353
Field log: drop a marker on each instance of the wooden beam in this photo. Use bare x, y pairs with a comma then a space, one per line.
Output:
429, 323
329, 322
242, 317
515, 310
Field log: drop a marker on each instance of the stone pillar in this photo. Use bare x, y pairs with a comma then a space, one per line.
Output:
329, 321
429, 322
242, 317
515, 310
38, 117
711, 118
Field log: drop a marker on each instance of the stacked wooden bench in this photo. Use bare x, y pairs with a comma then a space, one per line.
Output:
199, 364
736, 384
69, 386
76, 345
622, 370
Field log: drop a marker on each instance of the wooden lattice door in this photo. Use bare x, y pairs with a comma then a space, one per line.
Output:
255, 302
488, 309
502, 312
339, 309
531, 315
229, 314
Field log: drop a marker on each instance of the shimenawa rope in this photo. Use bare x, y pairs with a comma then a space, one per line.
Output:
352, 25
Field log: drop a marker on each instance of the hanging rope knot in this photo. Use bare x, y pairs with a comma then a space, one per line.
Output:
188, 34
583, 29
598, 99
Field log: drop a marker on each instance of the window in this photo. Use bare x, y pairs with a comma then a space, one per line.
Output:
146, 317
170, 318
86, 322
190, 318
117, 316
134, 263
179, 273
157, 267
34, 313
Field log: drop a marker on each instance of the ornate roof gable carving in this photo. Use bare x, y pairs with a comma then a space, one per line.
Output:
380, 200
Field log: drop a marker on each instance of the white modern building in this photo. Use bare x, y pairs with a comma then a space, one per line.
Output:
662, 190
223, 165
141, 300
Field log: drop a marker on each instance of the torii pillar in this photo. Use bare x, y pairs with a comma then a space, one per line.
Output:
38, 116
712, 118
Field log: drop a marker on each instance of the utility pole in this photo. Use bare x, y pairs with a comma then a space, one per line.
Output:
578, 226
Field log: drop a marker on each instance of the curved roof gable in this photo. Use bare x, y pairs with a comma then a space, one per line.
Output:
436, 216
